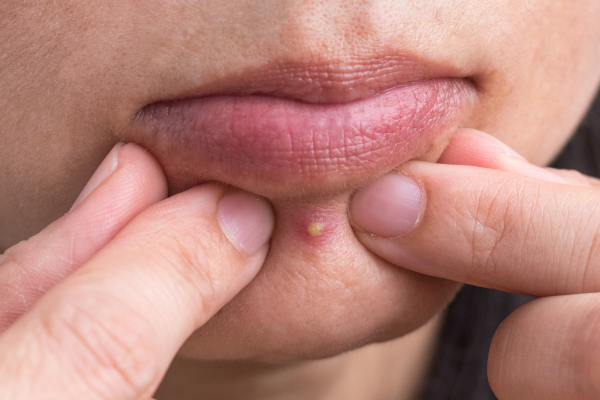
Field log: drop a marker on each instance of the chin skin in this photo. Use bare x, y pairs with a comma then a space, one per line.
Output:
318, 296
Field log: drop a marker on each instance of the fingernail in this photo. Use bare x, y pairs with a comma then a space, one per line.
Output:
389, 207
247, 220
106, 168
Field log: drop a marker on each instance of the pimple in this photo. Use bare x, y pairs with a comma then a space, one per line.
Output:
315, 229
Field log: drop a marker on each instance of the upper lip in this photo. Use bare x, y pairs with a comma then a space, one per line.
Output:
325, 82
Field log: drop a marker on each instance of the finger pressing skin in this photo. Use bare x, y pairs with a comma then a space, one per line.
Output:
128, 181
484, 227
110, 330
476, 148
549, 349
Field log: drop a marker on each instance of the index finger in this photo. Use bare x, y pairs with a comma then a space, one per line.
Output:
486, 227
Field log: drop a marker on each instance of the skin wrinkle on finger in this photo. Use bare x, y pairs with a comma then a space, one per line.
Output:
487, 225
532, 232
124, 359
485, 240
563, 283
539, 205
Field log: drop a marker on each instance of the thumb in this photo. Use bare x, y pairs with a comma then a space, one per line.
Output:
111, 329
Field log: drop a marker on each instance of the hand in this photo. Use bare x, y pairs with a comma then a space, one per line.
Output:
130, 275
489, 218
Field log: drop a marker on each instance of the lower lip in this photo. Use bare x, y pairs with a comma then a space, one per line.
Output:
280, 141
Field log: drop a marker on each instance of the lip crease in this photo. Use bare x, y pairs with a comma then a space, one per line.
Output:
275, 136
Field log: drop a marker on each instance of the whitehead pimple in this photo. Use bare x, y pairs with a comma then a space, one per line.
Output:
315, 229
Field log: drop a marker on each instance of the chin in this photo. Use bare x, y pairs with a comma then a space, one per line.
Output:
320, 293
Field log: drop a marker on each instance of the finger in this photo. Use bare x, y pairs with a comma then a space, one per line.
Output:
128, 181
577, 178
478, 149
548, 349
484, 227
110, 330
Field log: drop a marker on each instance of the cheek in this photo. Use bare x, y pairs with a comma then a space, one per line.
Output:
318, 295
544, 74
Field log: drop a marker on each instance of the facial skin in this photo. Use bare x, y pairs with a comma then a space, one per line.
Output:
74, 74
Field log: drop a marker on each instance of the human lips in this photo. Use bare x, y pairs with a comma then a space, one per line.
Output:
319, 291
271, 144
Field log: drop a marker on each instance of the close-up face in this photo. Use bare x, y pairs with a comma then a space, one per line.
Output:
300, 101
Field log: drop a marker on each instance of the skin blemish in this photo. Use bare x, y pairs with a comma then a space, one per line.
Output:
315, 229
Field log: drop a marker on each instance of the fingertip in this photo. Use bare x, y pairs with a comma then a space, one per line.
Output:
477, 149
102, 173
388, 207
247, 220
129, 173
134, 157
136, 183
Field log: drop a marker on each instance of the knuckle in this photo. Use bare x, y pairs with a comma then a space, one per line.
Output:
490, 221
107, 352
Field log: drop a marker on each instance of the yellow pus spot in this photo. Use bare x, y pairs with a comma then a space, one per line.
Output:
315, 229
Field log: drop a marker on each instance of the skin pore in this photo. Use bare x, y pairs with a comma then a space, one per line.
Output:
77, 73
